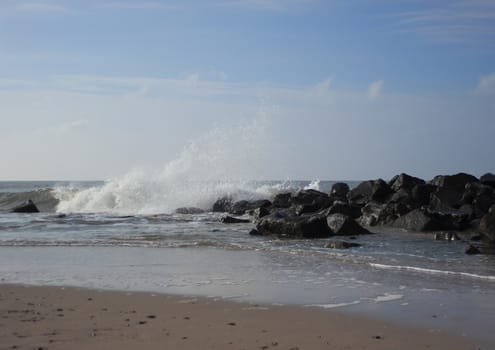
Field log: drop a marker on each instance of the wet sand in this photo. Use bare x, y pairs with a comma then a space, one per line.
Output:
73, 318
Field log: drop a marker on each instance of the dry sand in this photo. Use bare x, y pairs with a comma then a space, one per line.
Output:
70, 318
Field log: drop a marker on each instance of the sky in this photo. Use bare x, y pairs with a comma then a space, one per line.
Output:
298, 89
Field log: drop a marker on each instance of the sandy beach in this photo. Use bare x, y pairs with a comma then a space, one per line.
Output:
62, 318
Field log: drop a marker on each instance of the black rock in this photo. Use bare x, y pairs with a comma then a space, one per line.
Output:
243, 206
421, 194
443, 200
488, 179
258, 213
343, 225
446, 236
482, 197
282, 200
313, 200
455, 182
405, 182
189, 210
375, 213
223, 205
339, 191
419, 221
285, 225
487, 227
231, 220
255, 232
376, 190
472, 250
341, 245
26, 207
354, 211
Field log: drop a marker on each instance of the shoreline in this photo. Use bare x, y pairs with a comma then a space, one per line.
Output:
56, 317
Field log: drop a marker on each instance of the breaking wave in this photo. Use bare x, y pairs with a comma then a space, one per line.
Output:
221, 163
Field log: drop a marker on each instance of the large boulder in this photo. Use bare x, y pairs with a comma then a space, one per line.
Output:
223, 205
376, 190
289, 226
243, 206
282, 200
487, 227
488, 179
482, 197
26, 207
419, 221
404, 182
312, 200
455, 182
339, 191
343, 225
421, 193
444, 199
354, 211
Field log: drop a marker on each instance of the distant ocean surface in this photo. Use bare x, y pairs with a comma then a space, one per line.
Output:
124, 235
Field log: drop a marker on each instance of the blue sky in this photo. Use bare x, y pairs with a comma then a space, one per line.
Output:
345, 89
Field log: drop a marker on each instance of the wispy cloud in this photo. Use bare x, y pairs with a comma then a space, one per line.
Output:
375, 90
451, 21
486, 85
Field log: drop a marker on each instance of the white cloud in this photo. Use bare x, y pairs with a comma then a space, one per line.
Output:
486, 85
460, 21
375, 90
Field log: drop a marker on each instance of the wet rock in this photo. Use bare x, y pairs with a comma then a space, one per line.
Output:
487, 227
285, 225
255, 232
312, 200
282, 200
189, 210
419, 221
443, 200
341, 245
421, 194
343, 225
258, 213
456, 182
231, 220
405, 182
375, 213
223, 205
446, 236
488, 179
482, 197
243, 206
339, 191
472, 250
376, 190
354, 211
26, 207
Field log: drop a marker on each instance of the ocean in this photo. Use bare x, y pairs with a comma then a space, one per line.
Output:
123, 234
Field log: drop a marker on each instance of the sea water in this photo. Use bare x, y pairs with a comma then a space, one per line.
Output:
86, 237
